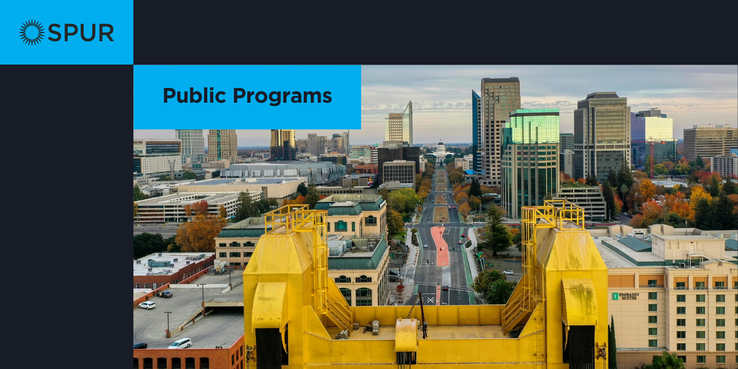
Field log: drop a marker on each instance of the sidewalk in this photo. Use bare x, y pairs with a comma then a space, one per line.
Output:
470, 258
407, 273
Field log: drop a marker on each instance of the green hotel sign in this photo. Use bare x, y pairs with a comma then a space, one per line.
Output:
615, 296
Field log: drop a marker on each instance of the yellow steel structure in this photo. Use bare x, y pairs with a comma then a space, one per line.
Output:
295, 317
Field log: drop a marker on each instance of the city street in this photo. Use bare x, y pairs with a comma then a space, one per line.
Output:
442, 263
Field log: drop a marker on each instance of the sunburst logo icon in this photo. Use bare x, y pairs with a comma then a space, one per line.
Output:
31, 32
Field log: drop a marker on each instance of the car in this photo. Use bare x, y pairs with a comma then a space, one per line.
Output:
181, 343
148, 305
508, 272
445, 288
460, 242
449, 207
425, 246
454, 207
165, 294
140, 345
462, 235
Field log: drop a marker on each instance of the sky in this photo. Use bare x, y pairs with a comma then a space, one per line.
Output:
441, 96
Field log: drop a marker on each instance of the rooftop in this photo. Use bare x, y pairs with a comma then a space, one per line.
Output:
167, 263
187, 198
495, 80
364, 253
246, 181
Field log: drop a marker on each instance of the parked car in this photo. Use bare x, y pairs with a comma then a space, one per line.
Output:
509, 272
425, 246
445, 288
181, 343
460, 242
165, 294
140, 345
147, 305
462, 235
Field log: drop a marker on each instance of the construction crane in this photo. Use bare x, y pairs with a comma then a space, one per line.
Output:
651, 142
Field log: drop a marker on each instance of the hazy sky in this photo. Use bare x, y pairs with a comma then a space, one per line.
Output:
441, 96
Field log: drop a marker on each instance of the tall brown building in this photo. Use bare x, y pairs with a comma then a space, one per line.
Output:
500, 98
282, 145
222, 144
709, 141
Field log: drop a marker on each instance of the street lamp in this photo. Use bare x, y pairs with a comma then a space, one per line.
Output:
203, 294
167, 312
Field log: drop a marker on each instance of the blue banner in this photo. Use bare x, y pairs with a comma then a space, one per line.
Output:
67, 32
247, 97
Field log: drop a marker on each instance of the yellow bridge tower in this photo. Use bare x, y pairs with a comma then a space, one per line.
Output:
296, 317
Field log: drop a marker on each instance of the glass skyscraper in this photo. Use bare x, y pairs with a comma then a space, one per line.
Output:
476, 131
652, 126
530, 159
399, 126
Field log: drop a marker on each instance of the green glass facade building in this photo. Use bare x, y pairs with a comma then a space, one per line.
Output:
530, 159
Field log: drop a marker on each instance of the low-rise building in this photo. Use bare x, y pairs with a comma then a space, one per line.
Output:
588, 197
671, 291
354, 215
360, 268
236, 242
155, 270
461, 163
170, 208
402, 171
272, 188
317, 172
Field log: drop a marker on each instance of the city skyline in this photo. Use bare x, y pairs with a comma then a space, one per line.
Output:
442, 109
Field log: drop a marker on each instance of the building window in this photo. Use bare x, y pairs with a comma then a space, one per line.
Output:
681, 298
720, 310
364, 297
720, 347
700, 334
681, 334
700, 322
653, 319
346, 294
701, 359
221, 245
652, 307
719, 285
681, 310
248, 254
720, 298
161, 363
720, 334
370, 220
341, 226
720, 359
652, 295
204, 363
700, 310
700, 347
651, 283
222, 254
363, 279
699, 285
681, 347
248, 244
720, 322
176, 363
653, 343
653, 331
680, 285
234, 244
235, 254
343, 279
700, 298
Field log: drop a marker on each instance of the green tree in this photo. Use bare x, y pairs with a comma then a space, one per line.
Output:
394, 222
499, 292
625, 177
697, 164
312, 197
189, 175
702, 215
612, 177
612, 356
591, 180
475, 189
667, 360
721, 209
138, 194
147, 243
729, 187
246, 208
609, 198
302, 189
714, 186
135, 209
483, 282
384, 192
660, 169
498, 235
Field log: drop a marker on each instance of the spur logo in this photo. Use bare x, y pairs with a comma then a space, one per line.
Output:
32, 32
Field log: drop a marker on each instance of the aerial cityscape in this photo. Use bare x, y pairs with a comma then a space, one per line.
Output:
458, 233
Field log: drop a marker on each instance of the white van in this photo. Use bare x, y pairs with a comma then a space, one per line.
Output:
181, 343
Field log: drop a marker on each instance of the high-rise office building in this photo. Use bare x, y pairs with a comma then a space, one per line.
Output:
397, 152
566, 141
222, 144
707, 141
601, 135
476, 131
193, 145
726, 165
399, 126
282, 145
501, 98
530, 160
316, 144
302, 146
651, 127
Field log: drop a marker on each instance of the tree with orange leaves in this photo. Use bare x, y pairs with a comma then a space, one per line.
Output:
698, 193
582, 180
651, 211
464, 208
646, 190
199, 234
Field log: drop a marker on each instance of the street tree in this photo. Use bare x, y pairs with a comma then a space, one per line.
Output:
302, 189
312, 197
498, 236
223, 212
246, 208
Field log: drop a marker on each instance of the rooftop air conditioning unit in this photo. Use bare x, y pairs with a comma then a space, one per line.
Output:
138, 261
150, 269
159, 254
175, 259
188, 263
